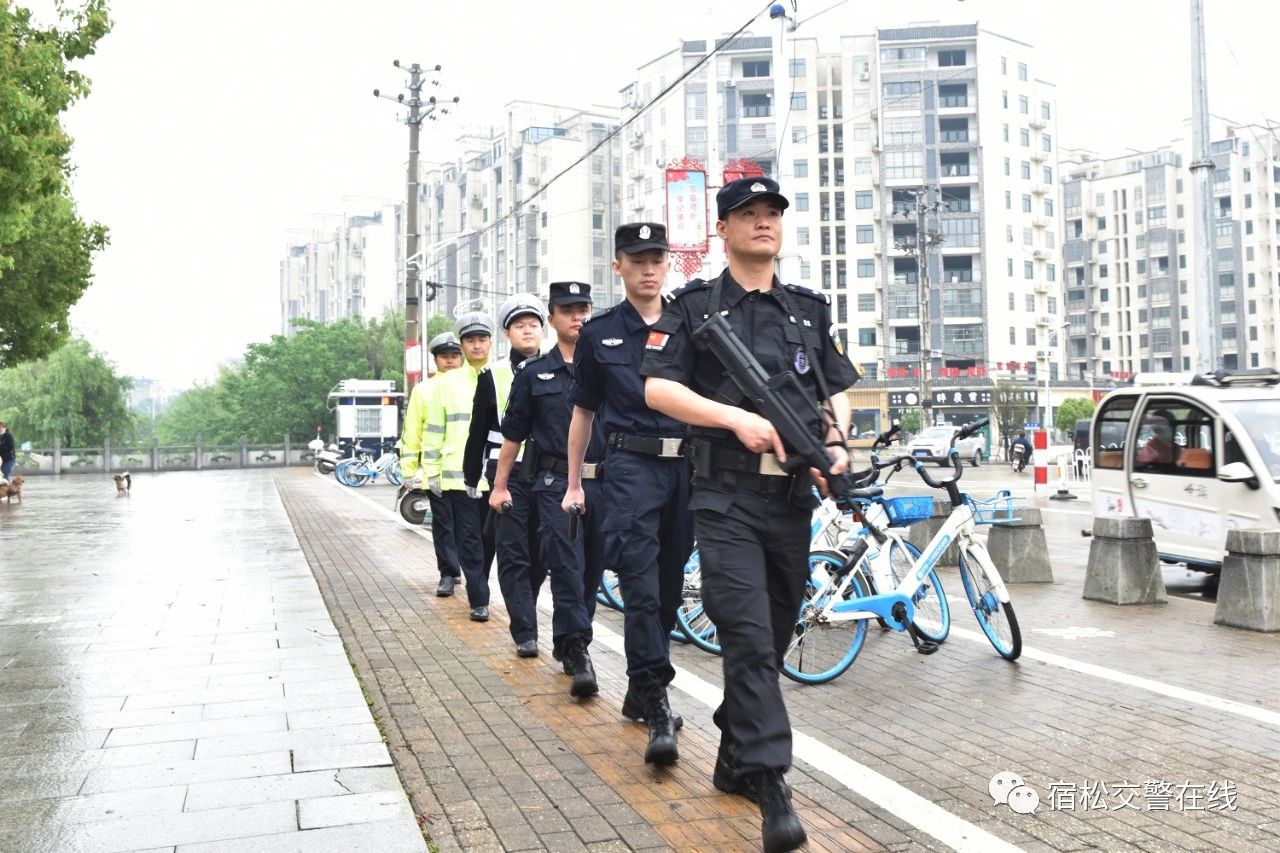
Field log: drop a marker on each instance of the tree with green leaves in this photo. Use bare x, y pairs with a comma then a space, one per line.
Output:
438, 324
1072, 410
911, 421
45, 248
1009, 409
74, 396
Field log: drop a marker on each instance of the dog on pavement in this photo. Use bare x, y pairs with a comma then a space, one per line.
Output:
12, 489
123, 483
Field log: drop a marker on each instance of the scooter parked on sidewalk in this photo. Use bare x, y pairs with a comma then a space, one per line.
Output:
326, 458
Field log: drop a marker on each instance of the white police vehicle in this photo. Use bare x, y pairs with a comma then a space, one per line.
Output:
1198, 455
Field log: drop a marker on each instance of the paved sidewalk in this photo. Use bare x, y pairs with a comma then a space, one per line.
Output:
170, 677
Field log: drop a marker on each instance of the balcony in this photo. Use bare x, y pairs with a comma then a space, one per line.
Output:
1040, 221
1039, 189
1037, 122
1038, 156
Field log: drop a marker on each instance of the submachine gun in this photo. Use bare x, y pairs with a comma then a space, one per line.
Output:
769, 395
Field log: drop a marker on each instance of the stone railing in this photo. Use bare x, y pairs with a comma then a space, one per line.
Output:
111, 459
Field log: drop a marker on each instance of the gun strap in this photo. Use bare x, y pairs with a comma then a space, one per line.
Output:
814, 364
727, 391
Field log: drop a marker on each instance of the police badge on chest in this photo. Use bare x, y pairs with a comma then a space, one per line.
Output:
801, 362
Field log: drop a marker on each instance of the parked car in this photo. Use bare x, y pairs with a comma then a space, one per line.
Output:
932, 444
1197, 455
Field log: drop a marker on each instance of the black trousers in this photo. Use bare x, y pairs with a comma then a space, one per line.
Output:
520, 567
648, 536
467, 524
755, 560
575, 564
444, 536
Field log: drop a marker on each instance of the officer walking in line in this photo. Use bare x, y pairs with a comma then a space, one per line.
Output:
447, 352
751, 517
648, 532
539, 407
520, 568
447, 432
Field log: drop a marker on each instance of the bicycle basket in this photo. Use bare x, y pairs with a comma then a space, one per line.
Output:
908, 510
994, 510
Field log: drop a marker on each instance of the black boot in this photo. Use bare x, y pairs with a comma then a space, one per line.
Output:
578, 662
781, 829
726, 777
633, 706
662, 747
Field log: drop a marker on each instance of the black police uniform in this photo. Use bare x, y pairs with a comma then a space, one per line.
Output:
752, 528
521, 571
647, 528
539, 408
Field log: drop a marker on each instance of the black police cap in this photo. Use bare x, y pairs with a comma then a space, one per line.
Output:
637, 237
737, 193
569, 293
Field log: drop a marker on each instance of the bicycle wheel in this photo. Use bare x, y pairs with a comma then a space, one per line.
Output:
995, 617
692, 618
822, 649
348, 473
394, 477
932, 614
610, 593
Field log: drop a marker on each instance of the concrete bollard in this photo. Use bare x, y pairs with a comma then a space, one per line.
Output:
1249, 588
1019, 550
921, 532
1124, 567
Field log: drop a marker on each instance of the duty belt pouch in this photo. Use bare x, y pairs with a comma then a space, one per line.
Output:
801, 495
699, 457
527, 467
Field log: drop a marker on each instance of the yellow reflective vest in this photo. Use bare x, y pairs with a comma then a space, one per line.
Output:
415, 415
447, 420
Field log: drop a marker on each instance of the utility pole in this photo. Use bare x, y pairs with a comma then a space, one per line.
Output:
413, 258
919, 246
1208, 355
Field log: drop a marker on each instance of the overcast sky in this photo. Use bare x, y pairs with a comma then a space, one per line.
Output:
214, 129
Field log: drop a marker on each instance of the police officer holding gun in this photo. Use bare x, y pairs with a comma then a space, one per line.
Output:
751, 515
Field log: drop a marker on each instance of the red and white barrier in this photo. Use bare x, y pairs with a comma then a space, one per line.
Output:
1040, 456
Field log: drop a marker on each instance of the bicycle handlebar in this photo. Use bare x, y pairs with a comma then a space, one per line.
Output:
885, 438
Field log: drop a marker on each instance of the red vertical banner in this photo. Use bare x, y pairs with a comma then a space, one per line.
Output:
687, 218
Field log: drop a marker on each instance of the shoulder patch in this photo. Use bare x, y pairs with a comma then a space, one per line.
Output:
800, 290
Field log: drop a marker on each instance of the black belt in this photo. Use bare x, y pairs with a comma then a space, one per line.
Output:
665, 448
558, 465
711, 457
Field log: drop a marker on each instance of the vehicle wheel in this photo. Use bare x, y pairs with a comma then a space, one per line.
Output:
691, 618
325, 467
977, 458
995, 617
394, 477
821, 650
414, 506
610, 593
933, 615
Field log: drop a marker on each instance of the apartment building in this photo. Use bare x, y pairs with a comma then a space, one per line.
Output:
1130, 257
502, 218
346, 266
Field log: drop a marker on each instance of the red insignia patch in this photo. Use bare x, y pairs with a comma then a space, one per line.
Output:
656, 341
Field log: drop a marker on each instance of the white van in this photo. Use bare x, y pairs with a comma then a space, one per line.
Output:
1197, 455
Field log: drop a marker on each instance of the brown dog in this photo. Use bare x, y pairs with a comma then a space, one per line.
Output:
123, 483
13, 489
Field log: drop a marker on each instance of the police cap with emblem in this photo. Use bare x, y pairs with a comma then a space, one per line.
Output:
735, 194
445, 342
475, 323
639, 237
519, 305
570, 293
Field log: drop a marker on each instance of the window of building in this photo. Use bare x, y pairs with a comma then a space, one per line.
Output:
862, 165
802, 236
798, 101
949, 58
1044, 110
1046, 175
1102, 273
757, 105
953, 95
903, 164
861, 132
1004, 98
1024, 104
866, 234
756, 68
953, 130
801, 168
1026, 204
903, 131
1031, 337
866, 337
1046, 142
1009, 271
802, 202
862, 199
1004, 65
1024, 137
1007, 165
799, 133
1006, 133
797, 68
1022, 71
1028, 269
1008, 200
866, 302
1031, 303
866, 268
